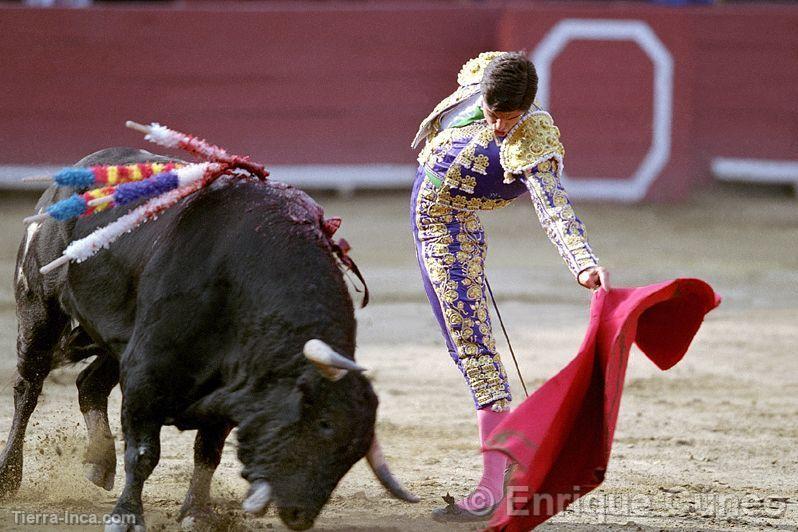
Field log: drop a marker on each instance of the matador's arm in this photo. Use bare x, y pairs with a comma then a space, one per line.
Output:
557, 216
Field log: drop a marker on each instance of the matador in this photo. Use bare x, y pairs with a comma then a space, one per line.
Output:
486, 144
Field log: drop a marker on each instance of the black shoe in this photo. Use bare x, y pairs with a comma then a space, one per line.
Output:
453, 513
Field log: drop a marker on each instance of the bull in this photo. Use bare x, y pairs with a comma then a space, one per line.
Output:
229, 310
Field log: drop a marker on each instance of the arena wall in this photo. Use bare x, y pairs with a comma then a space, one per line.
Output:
646, 96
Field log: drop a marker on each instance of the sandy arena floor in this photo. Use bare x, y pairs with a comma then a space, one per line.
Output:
711, 444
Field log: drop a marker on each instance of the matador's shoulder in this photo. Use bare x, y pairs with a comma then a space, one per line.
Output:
468, 80
533, 140
472, 71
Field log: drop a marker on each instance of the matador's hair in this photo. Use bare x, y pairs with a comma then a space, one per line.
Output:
510, 83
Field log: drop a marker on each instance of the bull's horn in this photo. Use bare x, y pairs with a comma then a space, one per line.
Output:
331, 364
378, 464
259, 495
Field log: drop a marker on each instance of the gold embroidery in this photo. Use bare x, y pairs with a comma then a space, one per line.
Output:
440, 143
532, 140
443, 199
472, 71
454, 177
485, 378
467, 156
480, 164
454, 264
556, 215
484, 136
474, 292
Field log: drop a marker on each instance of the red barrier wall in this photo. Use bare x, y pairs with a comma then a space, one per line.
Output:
344, 83
746, 84
602, 93
287, 86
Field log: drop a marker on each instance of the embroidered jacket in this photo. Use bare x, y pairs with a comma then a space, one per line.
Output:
471, 169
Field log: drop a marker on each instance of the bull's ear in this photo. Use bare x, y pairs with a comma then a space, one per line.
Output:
307, 387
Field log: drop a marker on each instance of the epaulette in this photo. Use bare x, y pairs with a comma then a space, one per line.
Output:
533, 140
472, 71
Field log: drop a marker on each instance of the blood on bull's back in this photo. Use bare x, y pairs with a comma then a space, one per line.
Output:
243, 257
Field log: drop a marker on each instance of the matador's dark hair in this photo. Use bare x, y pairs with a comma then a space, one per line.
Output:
510, 83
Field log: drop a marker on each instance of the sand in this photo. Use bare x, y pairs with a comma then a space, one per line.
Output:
710, 444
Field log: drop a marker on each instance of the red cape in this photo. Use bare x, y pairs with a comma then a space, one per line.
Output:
561, 436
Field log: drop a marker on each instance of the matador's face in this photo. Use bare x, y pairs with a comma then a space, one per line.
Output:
502, 122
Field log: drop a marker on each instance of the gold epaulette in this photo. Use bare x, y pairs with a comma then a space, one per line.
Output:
531, 141
468, 80
472, 71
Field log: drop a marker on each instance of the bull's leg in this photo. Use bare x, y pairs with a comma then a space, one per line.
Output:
142, 428
94, 385
208, 447
39, 331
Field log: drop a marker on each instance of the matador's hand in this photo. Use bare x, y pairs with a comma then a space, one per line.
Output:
595, 277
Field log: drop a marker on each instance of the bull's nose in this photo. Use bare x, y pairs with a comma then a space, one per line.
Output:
296, 518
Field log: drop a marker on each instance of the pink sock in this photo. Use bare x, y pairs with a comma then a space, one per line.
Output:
490, 489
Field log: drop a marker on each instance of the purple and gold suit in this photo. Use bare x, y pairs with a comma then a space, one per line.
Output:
464, 168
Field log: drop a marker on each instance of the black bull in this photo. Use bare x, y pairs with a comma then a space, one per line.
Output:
228, 310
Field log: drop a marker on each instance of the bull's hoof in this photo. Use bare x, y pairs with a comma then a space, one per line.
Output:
100, 475
124, 523
190, 524
199, 523
296, 518
100, 460
200, 519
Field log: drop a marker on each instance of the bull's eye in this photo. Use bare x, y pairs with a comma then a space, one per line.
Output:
325, 428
